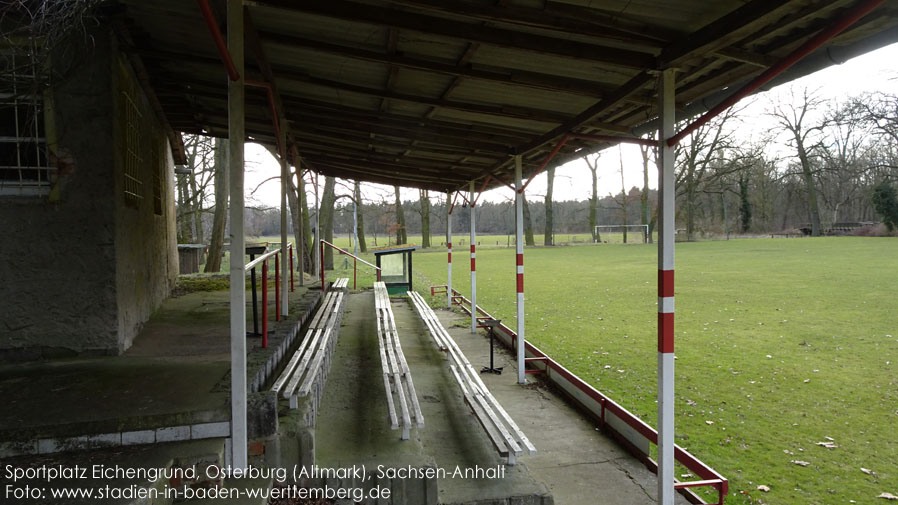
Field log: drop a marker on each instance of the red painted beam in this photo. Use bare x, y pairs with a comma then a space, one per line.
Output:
827, 34
546, 161
220, 43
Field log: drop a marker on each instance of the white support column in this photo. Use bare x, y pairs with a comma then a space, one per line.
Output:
449, 248
315, 246
473, 265
236, 136
666, 235
285, 252
519, 263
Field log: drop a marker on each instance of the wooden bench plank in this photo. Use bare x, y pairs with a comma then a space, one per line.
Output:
481, 395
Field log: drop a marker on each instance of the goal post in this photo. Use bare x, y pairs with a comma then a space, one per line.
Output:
619, 232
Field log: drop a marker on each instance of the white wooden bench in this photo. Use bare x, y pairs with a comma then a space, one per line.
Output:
396, 375
314, 352
503, 432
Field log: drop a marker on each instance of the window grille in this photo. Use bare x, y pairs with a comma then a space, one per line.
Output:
24, 158
130, 122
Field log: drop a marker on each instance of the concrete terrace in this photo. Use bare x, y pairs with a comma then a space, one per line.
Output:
575, 463
176, 374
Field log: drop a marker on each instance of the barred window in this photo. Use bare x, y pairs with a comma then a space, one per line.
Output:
25, 168
130, 126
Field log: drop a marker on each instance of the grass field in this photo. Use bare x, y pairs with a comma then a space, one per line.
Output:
781, 344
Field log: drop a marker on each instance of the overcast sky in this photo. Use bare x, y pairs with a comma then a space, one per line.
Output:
875, 71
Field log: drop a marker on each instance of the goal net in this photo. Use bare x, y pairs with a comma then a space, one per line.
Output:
622, 233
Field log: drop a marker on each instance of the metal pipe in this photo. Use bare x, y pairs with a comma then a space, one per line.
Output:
321, 262
473, 264
667, 233
223, 52
236, 137
290, 249
614, 138
519, 264
277, 286
284, 305
449, 249
265, 303
546, 161
825, 35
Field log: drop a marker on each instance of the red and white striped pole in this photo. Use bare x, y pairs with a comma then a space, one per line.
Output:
667, 233
473, 266
449, 248
519, 262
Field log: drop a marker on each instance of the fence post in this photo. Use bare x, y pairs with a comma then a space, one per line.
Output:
277, 286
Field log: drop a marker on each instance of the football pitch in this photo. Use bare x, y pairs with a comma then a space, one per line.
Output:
787, 350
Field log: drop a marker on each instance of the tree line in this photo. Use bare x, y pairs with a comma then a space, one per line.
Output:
823, 165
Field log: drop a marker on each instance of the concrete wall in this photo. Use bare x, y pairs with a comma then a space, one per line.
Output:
146, 249
80, 269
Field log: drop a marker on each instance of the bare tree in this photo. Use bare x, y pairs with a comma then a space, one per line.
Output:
220, 216
360, 218
592, 162
792, 118
424, 199
697, 159
647, 156
401, 236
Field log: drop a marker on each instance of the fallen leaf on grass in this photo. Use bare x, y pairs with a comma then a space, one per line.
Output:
831, 439
763, 488
828, 445
800, 462
807, 380
868, 471
686, 476
888, 496
709, 422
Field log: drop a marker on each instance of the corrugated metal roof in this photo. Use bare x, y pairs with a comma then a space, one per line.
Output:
434, 94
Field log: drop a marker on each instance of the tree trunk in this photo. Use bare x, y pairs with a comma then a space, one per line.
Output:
811, 188
185, 229
594, 203
425, 218
220, 218
550, 182
528, 224
401, 237
644, 197
326, 220
360, 223
197, 208
744, 205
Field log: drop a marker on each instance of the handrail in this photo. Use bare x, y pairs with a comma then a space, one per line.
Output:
710, 476
344, 251
256, 262
321, 245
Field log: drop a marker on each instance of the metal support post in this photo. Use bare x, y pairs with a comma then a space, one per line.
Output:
277, 286
667, 233
265, 303
473, 266
236, 137
449, 248
285, 270
519, 263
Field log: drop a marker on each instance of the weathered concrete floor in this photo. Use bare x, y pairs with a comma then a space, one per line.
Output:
579, 464
353, 426
174, 374
575, 462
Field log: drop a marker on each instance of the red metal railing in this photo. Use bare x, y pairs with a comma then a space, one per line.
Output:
709, 476
355, 261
